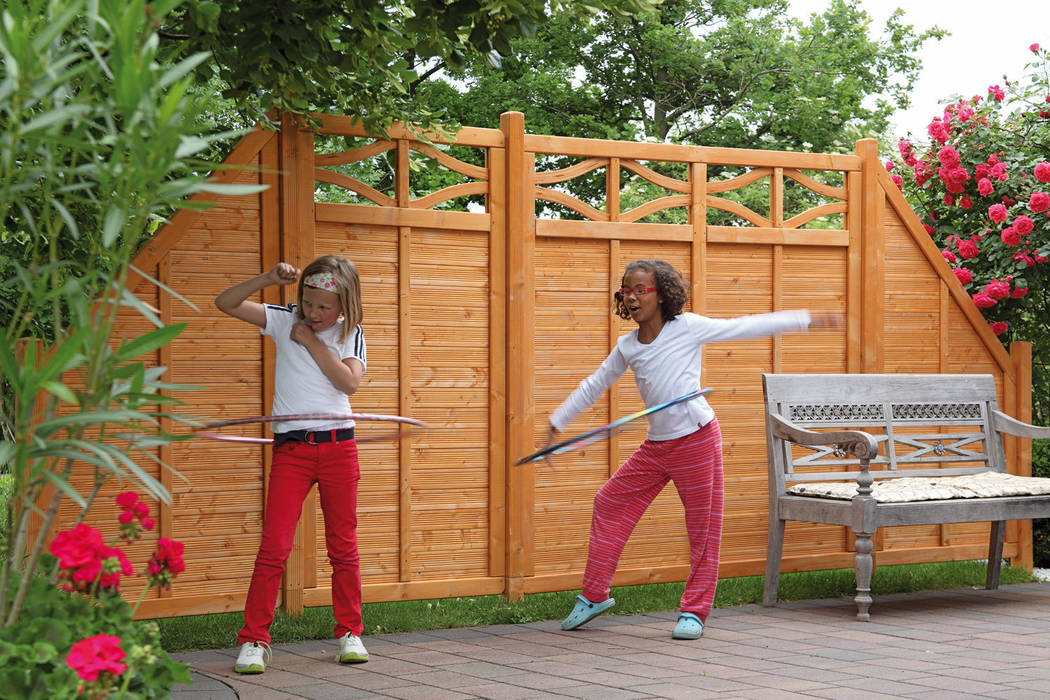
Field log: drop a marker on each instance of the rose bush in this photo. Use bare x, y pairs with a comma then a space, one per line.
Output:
79, 638
980, 182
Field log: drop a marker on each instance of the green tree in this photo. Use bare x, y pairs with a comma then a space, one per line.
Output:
361, 58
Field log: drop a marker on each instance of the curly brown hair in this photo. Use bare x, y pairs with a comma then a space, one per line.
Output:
669, 285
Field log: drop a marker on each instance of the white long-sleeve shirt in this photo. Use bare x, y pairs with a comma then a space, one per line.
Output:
669, 367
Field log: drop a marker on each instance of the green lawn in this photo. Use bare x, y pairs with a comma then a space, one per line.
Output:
220, 631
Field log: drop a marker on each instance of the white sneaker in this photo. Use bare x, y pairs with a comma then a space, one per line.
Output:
351, 650
253, 657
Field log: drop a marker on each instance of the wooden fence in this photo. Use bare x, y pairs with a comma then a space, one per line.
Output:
481, 322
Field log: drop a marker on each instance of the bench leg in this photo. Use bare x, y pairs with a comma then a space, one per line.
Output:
995, 553
774, 550
863, 566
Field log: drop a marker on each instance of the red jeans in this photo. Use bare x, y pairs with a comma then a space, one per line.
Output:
694, 463
296, 467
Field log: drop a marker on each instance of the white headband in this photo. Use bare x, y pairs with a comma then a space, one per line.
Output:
322, 280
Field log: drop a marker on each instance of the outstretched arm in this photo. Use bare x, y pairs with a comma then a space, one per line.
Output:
234, 301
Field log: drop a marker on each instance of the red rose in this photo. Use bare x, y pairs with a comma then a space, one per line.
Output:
948, 157
983, 301
963, 275
1018, 292
929, 229
968, 249
898, 181
1042, 171
93, 655
948, 255
949, 200
997, 213
1010, 236
999, 327
997, 289
996, 92
985, 187
965, 202
1039, 202
1034, 48
1024, 225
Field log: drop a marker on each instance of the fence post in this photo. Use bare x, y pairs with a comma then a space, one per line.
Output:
873, 253
521, 407
1021, 353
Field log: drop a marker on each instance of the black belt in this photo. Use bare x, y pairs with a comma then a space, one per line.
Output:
313, 437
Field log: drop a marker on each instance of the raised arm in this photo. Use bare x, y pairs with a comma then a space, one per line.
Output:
234, 301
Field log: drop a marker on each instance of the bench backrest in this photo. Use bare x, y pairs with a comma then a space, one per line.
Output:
925, 424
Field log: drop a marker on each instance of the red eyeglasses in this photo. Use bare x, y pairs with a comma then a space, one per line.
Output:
637, 291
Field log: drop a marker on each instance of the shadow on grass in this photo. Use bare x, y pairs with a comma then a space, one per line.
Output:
220, 631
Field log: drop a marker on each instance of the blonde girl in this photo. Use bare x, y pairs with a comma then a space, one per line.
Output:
320, 359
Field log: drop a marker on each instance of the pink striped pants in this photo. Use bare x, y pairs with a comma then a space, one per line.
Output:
694, 463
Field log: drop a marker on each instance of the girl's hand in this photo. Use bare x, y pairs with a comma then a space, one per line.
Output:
552, 433
283, 273
302, 334
824, 321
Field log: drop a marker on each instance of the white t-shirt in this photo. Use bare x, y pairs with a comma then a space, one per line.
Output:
299, 384
669, 367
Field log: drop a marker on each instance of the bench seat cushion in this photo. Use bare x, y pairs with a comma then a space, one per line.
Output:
988, 484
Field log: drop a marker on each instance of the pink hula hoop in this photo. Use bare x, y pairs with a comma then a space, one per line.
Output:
404, 426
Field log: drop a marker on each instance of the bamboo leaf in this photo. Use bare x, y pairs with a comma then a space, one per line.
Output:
60, 390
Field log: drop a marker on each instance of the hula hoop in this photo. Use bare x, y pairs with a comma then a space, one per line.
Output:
604, 431
404, 426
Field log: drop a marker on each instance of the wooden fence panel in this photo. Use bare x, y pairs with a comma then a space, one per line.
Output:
482, 321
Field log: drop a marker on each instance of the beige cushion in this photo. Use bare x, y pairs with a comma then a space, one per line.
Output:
905, 489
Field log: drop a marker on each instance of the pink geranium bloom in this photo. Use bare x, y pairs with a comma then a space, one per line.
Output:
127, 499
93, 655
1010, 236
985, 187
983, 301
999, 327
963, 275
968, 249
1039, 202
1042, 171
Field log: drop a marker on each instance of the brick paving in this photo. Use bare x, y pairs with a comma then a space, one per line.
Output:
932, 644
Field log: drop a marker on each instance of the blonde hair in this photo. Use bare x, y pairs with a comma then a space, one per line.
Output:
345, 275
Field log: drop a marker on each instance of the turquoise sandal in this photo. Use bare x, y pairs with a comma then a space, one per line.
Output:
584, 611
689, 627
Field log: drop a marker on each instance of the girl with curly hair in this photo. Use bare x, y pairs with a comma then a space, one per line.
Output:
683, 445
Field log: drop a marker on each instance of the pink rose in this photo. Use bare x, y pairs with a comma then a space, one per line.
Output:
1034, 48
948, 157
889, 165
898, 181
999, 327
983, 301
1042, 171
1018, 292
904, 146
997, 289
996, 92
93, 655
937, 131
997, 213
948, 255
1010, 236
1024, 225
985, 187
1039, 202
963, 275
968, 249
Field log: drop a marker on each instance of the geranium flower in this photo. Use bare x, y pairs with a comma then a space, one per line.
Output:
997, 213
963, 275
166, 563
999, 327
91, 656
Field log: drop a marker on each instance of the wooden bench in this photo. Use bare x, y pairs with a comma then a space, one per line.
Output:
877, 430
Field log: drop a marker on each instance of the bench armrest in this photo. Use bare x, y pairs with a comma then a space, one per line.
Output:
854, 442
1005, 424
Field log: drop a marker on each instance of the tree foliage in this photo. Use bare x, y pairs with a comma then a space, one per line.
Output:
712, 72
360, 58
